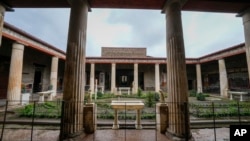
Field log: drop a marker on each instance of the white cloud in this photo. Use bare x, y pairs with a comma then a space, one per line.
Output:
203, 32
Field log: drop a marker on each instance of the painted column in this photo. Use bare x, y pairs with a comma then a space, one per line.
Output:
53, 74
2, 11
15, 74
92, 78
74, 75
246, 24
198, 77
135, 85
179, 126
157, 78
113, 77
223, 78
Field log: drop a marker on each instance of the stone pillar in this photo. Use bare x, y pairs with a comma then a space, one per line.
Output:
15, 74
2, 11
223, 78
246, 24
92, 78
74, 75
179, 126
113, 77
198, 77
157, 78
53, 74
161, 117
135, 85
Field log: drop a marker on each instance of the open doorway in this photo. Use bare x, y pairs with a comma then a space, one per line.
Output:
37, 86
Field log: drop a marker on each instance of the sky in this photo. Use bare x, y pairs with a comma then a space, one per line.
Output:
204, 32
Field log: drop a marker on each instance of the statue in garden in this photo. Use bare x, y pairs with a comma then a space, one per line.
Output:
162, 97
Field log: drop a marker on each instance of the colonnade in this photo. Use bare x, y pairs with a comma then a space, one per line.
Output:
75, 68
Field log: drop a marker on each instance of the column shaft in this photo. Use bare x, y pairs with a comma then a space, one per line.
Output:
223, 78
198, 77
15, 74
246, 23
113, 77
135, 85
74, 74
92, 78
179, 125
53, 74
157, 78
2, 11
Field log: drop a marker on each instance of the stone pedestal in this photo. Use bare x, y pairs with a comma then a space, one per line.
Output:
89, 124
161, 117
15, 75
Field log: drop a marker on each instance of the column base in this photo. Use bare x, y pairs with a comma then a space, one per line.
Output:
139, 127
115, 126
176, 138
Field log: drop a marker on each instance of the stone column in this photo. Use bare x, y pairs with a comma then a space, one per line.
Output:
92, 78
53, 74
15, 74
223, 78
157, 78
2, 11
179, 126
135, 85
113, 77
246, 24
198, 77
74, 75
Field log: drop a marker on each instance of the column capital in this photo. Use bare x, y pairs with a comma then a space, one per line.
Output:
5, 7
18, 46
82, 1
168, 2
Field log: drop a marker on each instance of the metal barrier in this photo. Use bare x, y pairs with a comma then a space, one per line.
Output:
210, 114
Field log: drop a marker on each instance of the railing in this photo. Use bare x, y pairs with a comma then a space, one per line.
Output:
42, 121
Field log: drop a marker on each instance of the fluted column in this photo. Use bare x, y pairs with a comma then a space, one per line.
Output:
2, 11
15, 74
157, 78
135, 85
198, 77
53, 74
113, 77
223, 78
92, 78
74, 75
179, 126
246, 24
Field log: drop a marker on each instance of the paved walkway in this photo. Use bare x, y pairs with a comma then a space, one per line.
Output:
222, 134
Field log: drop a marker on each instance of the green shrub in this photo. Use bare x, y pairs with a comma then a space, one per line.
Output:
150, 99
192, 93
200, 97
139, 92
157, 96
99, 94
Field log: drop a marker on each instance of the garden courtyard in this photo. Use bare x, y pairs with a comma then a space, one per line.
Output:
209, 114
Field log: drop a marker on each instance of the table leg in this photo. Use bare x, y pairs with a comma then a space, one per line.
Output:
138, 120
115, 124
